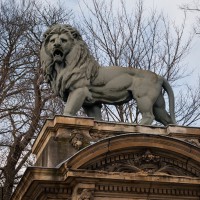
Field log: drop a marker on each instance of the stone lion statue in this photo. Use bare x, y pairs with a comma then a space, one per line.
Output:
76, 77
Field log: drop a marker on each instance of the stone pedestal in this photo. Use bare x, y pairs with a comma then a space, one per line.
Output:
60, 138
80, 158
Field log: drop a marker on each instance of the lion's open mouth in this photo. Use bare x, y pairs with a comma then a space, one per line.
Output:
58, 56
58, 52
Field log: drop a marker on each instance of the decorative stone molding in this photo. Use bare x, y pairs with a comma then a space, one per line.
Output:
67, 135
99, 135
58, 190
95, 130
65, 184
141, 189
195, 142
144, 162
125, 162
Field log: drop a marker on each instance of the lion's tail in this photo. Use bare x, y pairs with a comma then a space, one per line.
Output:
170, 93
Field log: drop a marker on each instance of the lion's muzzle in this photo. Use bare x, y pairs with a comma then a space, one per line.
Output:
58, 55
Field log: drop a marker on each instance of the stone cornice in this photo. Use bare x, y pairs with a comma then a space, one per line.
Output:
63, 127
41, 179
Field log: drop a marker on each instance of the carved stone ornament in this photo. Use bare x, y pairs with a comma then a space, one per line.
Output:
80, 138
145, 162
86, 194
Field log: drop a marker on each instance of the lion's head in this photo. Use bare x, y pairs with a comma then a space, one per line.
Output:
63, 46
58, 42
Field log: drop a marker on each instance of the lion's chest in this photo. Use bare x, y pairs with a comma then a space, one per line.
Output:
66, 80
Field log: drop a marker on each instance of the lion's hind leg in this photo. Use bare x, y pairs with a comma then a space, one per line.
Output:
160, 113
145, 106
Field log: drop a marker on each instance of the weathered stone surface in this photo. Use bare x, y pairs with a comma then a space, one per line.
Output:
77, 78
61, 137
130, 162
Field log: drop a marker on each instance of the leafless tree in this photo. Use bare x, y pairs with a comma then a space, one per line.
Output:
191, 113
193, 6
25, 101
129, 39
132, 38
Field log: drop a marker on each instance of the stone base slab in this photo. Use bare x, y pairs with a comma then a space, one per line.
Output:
61, 137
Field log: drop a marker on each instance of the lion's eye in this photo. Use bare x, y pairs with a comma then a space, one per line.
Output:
63, 40
52, 40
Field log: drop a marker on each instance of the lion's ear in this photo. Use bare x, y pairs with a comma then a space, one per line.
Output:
75, 35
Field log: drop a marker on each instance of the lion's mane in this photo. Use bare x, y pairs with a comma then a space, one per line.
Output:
80, 67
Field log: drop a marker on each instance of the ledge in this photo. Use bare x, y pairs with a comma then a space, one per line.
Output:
62, 127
